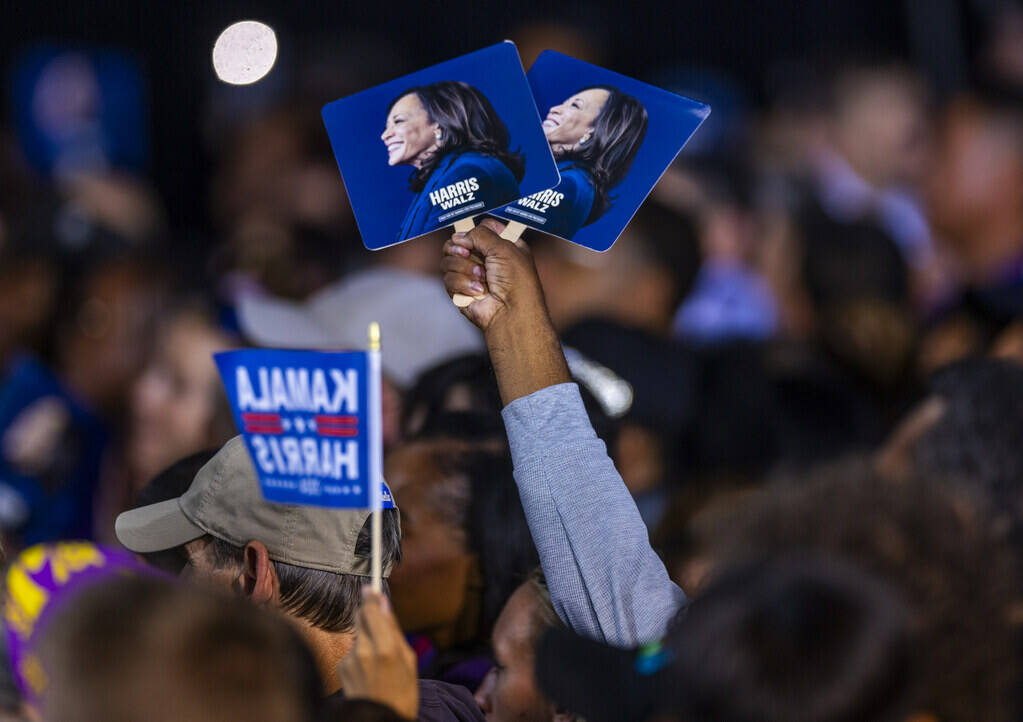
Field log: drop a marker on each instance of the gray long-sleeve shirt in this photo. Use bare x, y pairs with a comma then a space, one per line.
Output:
606, 581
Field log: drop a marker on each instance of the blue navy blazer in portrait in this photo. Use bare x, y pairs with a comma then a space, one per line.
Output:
573, 211
497, 185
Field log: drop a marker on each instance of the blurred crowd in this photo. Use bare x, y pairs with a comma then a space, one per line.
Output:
804, 358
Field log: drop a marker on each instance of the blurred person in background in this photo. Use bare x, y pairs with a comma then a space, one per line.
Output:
858, 287
177, 403
931, 542
967, 426
65, 411
739, 654
841, 367
835, 377
39, 584
575, 31
799, 637
460, 393
1002, 51
876, 155
177, 406
976, 204
654, 418
107, 325
730, 300
131, 649
465, 548
638, 282
282, 210
509, 692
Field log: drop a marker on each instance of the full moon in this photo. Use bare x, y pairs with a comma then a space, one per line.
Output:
244, 52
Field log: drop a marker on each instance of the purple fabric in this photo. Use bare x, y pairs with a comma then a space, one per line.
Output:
39, 582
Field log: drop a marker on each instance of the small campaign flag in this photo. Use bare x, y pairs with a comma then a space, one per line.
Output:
305, 417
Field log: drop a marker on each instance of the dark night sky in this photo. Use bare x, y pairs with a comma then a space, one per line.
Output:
173, 38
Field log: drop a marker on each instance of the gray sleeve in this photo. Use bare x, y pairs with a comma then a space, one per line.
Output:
606, 581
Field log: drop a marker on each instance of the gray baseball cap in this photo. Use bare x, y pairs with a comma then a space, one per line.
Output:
225, 501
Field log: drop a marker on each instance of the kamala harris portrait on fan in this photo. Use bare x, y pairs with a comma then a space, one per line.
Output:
611, 136
594, 134
441, 145
458, 148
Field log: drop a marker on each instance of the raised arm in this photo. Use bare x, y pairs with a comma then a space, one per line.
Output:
606, 581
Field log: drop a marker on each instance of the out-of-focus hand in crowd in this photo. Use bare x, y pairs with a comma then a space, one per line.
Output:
381, 666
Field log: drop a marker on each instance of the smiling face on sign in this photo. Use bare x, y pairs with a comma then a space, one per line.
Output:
571, 123
410, 135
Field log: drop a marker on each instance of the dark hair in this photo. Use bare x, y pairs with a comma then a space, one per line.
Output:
427, 407
148, 648
171, 483
670, 241
847, 260
797, 638
325, 599
495, 523
468, 123
978, 434
544, 615
618, 132
428, 411
477, 494
859, 284
928, 540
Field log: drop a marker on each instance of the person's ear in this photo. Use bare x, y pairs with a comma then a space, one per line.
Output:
259, 577
586, 137
438, 134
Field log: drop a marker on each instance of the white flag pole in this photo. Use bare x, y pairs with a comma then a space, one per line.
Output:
376, 453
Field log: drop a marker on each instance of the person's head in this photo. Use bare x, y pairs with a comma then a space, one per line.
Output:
967, 426
466, 545
147, 648
171, 483
107, 326
638, 281
509, 691
857, 287
600, 129
177, 404
308, 562
929, 541
428, 122
975, 193
879, 122
653, 381
812, 639
793, 639
460, 387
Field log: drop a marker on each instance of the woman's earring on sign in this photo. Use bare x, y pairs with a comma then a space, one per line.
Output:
437, 134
